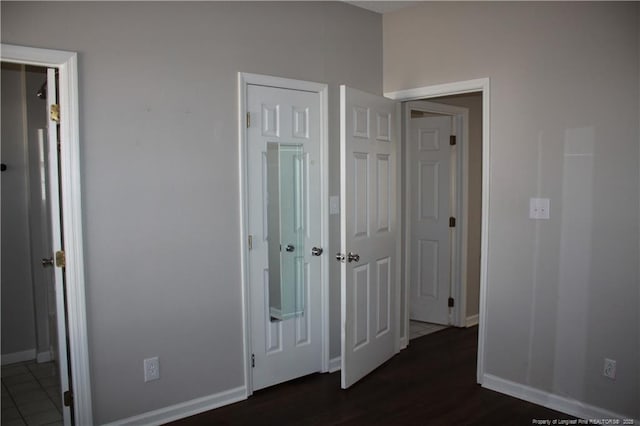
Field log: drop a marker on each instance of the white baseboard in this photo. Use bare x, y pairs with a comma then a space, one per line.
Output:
21, 356
472, 320
569, 406
44, 357
404, 342
335, 364
184, 409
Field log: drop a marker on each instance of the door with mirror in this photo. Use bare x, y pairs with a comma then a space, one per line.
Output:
285, 224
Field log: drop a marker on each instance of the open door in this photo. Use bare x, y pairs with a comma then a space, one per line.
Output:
432, 185
57, 245
369, 245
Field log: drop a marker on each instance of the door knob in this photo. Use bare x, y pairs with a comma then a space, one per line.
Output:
289, 248
316, 251
47, 261
340, 257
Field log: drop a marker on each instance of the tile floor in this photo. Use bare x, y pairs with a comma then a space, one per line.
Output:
31, 394
419, 329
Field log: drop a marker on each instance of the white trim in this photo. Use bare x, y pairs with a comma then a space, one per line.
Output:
472, 320
184, 409
446, 89
549, 400
44, 356
322, 90
13, 357
399, 237
335, 364
478, 85
244, 226
66, 63
404, 341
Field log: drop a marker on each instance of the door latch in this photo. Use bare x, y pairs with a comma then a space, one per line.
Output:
350, 257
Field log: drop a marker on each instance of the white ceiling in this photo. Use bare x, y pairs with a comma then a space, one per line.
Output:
382, 6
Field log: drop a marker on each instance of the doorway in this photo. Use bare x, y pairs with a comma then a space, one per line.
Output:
284, 178
31, 384
361, 115
443, 184
436, 93
69, 272
443, 143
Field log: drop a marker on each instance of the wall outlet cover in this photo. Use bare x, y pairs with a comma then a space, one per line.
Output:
151, 369
609, 368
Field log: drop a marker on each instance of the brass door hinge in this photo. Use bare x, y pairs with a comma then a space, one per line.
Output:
253, 361
250, 242
54, 113
452, 222
68, 398
451, 302
61, 260
452, 140
248, 120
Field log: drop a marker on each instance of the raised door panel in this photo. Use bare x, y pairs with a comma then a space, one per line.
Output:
361, 194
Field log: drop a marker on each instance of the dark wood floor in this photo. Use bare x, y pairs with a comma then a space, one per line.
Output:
430, 383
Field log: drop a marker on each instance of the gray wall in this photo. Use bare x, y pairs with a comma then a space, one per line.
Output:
158, 108
562, 293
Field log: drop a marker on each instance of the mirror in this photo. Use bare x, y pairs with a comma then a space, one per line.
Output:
285, 228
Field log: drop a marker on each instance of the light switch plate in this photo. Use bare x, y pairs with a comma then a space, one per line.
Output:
539, 208
334, 204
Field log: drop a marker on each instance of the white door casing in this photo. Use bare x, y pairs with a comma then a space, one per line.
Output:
369, 232
482, 85
57, 243
71, 215
429, 197
285, 349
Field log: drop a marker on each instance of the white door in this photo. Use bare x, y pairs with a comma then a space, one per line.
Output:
57, 243
431, 183
284, 224
369, 232
43, 241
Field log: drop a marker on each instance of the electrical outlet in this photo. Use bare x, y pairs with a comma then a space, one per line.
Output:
609, 368
151, 369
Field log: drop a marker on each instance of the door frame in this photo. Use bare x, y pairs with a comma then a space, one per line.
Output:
459, 254
321, 90
71, 218
481, 85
